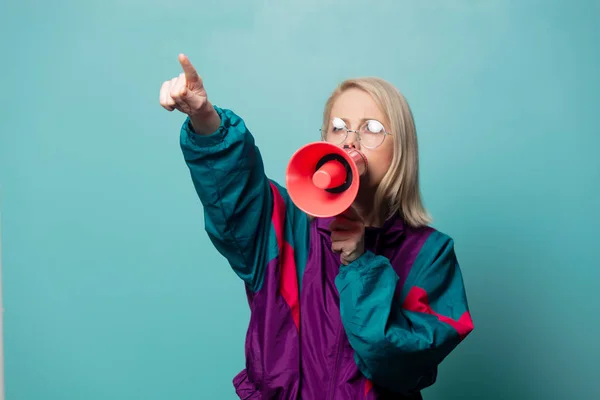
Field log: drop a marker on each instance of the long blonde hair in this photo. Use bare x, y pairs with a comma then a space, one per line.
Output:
399, 190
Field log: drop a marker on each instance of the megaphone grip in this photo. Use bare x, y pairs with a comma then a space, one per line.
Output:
331, 174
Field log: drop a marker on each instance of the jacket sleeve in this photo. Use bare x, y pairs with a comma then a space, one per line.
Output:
227, 171
399, 340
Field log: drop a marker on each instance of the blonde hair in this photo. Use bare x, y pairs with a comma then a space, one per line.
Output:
399, 190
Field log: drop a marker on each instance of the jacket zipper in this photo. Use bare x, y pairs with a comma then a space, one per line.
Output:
336, 365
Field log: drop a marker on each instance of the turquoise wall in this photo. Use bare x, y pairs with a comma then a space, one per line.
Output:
112, 289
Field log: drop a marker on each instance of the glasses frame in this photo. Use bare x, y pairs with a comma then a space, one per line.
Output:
345, 128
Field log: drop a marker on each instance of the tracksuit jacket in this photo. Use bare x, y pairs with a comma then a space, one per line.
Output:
374, 329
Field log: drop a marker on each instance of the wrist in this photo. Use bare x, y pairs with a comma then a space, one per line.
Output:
206, 120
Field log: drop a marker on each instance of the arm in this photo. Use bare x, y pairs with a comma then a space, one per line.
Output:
228, 174
248, 217
399, 342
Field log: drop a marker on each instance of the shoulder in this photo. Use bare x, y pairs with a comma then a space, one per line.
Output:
414, 243
422, 247
435, 244
426, 239
434, 259
437, 240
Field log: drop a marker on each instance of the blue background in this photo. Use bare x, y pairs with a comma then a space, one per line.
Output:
112, 289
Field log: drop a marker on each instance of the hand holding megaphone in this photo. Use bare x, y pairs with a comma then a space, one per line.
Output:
348, 235
323, 179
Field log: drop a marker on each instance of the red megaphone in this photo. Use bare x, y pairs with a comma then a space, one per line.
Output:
322, 179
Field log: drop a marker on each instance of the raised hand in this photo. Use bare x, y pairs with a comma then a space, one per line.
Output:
186, 93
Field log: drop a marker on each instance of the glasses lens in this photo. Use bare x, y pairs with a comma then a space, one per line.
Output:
372, 134
336, 131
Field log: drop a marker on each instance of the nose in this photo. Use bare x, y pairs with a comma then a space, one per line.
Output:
352, 141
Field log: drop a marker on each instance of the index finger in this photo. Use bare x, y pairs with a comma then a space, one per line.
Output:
190, 72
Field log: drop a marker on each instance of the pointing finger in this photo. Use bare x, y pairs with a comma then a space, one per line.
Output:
191, 76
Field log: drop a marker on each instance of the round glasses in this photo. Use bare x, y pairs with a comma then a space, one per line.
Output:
370, 134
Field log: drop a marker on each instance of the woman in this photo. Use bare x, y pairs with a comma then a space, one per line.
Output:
362, 306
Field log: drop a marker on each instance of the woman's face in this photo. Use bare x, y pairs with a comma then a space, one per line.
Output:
355, 110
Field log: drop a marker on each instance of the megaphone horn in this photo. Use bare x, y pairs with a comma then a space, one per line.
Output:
323, 179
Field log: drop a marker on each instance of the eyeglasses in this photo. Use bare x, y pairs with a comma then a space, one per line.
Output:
370, 134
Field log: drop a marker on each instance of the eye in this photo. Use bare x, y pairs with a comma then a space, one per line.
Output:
338, 124
374, 126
